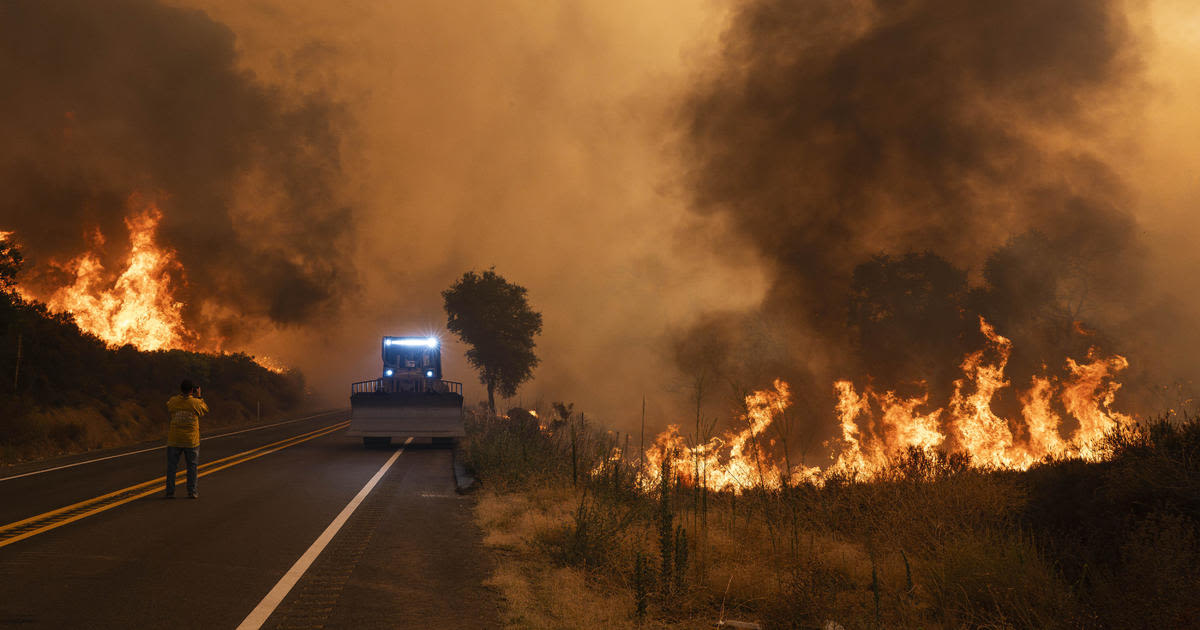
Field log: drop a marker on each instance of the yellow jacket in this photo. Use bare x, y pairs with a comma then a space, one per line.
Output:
184, 430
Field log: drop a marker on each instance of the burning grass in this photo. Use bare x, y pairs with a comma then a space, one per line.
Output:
926, 540
875, 428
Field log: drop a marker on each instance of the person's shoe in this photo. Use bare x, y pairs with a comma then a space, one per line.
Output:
168, 496
193, 495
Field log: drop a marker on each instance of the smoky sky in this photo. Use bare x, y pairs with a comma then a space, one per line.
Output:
107, 100
831, 132
326, 169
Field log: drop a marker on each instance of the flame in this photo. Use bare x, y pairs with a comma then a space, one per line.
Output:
1089, 397
736, 460
978, 429
270, 364
139, 306
1042, 420
136, 306
900, 423
875, 428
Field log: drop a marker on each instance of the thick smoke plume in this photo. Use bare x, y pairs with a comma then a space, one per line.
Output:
904, 167
129, 99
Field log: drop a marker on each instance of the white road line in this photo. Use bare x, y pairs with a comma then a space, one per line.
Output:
262, 612
160, 447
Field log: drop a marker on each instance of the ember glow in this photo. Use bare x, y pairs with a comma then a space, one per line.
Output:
271, 364
877, 427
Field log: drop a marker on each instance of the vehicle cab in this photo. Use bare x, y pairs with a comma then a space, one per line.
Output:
412, 358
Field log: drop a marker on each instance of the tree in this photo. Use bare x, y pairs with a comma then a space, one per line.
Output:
491, 315
908, 318
10, 263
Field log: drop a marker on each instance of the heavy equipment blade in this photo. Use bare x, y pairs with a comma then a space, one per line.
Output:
406, 414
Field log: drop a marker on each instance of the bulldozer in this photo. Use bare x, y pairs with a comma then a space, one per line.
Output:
409, 398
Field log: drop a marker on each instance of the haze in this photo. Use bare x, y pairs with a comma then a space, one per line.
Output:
566, 145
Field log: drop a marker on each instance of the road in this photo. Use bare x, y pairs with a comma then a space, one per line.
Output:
297, 526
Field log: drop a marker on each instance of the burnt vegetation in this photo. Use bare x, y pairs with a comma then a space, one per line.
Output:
932, 541
64, 390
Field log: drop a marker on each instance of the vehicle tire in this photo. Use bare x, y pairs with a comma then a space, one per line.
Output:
443, 442
377, 442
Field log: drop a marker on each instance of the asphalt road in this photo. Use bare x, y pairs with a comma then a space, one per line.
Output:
408, 556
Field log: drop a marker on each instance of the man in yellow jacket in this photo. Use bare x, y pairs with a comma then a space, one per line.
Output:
183, 435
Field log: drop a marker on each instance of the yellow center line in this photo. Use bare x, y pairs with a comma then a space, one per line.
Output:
201, 467
203, 470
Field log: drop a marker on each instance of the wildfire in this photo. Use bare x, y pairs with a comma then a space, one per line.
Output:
270, 364
876, 427
736, 460
138, 307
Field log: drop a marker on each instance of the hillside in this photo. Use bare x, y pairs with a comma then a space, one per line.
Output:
63, 390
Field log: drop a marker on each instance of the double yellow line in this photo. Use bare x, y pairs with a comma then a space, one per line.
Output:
35, 525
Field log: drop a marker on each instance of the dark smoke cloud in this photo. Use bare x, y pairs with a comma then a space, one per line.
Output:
831, 132
107, 99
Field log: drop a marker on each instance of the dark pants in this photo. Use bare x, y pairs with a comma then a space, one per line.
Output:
192, 455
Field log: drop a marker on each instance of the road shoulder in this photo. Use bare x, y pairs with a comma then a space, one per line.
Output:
411, 556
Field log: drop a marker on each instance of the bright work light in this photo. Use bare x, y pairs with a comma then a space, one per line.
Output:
429, 342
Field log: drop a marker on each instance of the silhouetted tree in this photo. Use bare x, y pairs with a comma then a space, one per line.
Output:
491, 315
1042, 294
10, 264
908, 313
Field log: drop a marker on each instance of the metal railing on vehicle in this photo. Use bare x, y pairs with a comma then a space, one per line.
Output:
392, 386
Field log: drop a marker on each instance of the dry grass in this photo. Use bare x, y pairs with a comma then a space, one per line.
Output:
933, 544
539, 593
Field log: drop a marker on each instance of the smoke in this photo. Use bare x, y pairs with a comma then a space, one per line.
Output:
111, 104
963, 142
525, 136
326, 169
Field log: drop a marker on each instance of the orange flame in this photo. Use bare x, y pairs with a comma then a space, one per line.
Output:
1042, 420
270, 364
900, 425
139, 306
734, 461
874, 428
136, 306
1089, 397
979, 430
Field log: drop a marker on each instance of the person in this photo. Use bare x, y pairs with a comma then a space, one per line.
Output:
183, 435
